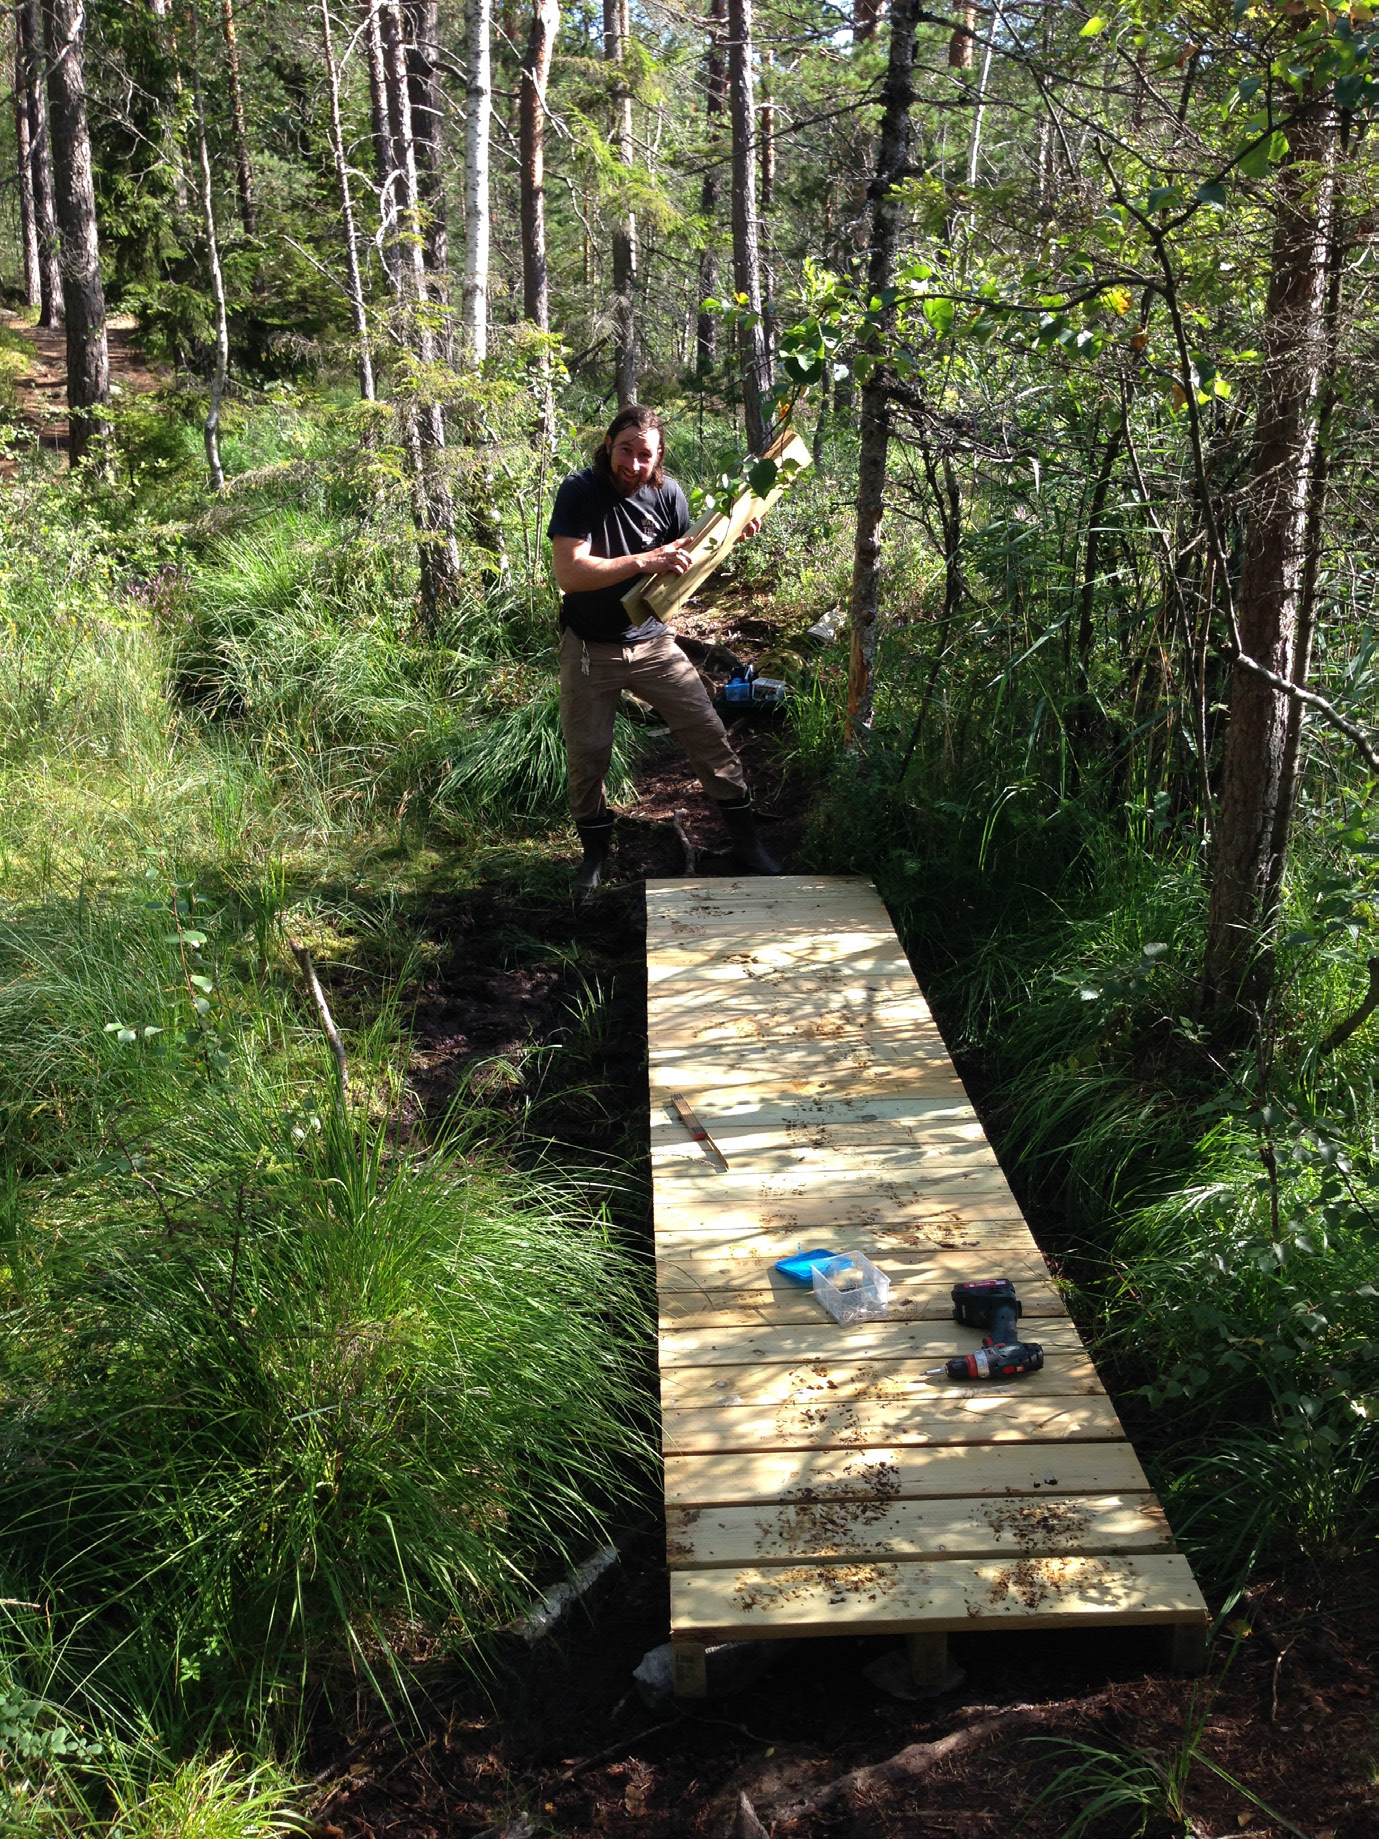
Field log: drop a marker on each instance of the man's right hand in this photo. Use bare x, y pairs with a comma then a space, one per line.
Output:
670, 559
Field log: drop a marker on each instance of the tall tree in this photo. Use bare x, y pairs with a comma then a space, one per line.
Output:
83, 296
615, 29
1253, 816
244, 177
29, 25
428, 131
536, 72
715, 95
358, 311
220, 363
893, 158
755, 352
28, 225
479, 97
421, 422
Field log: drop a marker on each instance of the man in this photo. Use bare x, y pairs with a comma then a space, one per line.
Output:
618, 520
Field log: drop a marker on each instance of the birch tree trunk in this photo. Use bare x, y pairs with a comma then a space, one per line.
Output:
421, 423
24, 173
30, 26
715, 94
767, 150
221, 364
756, 360
886, 213
342, 179
83, 296
536, 72
1252, 818
387, 163
244, 178
428, 132
479, 97
625, 230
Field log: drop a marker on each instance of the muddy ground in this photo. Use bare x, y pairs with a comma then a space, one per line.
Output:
558, 1740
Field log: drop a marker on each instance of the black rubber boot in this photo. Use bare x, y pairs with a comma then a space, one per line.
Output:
747, 852
596, 838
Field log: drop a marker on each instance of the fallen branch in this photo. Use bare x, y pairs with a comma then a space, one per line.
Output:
318, 995
1343, 1030
920, 1759
691, 853
747, 1825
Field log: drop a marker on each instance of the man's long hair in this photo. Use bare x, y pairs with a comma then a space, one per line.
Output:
645, 421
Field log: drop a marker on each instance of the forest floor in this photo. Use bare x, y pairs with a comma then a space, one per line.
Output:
41, 395
559, 1740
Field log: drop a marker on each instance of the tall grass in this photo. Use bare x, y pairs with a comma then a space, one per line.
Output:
275, 1392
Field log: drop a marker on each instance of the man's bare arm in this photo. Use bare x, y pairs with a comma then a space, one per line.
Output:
579, 572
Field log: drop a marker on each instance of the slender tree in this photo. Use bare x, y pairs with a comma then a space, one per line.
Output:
83, 296
220, 364
28, 224
355, 281
615, 21
715, 95
1252, 817
244, 177
422, 424
886, 216
479, 98
428, 133
387, 159
28, 20
536, 71
756, 357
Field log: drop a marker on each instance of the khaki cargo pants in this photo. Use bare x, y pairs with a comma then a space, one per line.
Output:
660, 673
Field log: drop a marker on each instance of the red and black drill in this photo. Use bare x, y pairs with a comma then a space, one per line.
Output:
991, 1303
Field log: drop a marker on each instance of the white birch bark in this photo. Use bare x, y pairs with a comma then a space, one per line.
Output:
479, 110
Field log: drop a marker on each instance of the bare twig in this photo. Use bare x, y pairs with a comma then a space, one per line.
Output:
318, 996
691, 853
1355, 1021
1364, 746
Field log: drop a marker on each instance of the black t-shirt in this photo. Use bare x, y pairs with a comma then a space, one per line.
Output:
587, 505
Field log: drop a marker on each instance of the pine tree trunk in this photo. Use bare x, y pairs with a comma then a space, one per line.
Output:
865, 14
625, 230
358, 311
1251, 832
961, 44
479, 110
886, 215
221, 363
767, 149
30, 25
24, 173
756, 358
428, 131
83, 297
244, 178
715, 95
536, 71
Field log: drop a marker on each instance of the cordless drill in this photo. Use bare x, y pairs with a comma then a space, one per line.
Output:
991, 1303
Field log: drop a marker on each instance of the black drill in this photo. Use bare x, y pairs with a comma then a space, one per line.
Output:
991, 1303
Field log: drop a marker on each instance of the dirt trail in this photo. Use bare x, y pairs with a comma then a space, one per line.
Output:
42, 394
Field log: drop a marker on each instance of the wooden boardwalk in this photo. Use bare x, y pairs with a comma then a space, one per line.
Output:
816, 1481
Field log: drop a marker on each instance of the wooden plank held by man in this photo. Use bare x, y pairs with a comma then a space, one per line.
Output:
711, 539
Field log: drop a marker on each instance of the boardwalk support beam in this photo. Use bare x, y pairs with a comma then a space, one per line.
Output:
1184, 1646
928, 1661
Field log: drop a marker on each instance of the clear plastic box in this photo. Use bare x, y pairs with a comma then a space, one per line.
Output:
852, 1289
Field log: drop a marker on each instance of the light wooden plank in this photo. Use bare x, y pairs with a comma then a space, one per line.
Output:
700, 1538
952, 1151
744, 1027
825, 1340
757, 1478
997, 1415
945, 1213
746, 1268
949, 1594
862, 955
840, 1379
727, 1310
855, 1118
